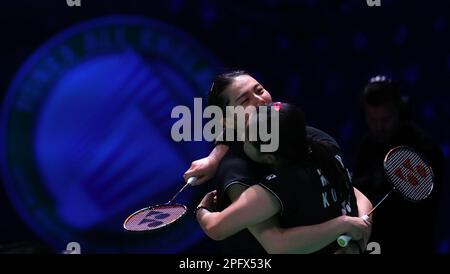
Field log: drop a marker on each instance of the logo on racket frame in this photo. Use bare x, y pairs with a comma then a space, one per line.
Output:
154, 217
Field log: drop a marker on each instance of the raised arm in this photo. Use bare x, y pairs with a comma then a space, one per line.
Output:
205, 168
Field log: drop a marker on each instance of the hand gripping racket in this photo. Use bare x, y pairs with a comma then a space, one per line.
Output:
157, 216
408, 174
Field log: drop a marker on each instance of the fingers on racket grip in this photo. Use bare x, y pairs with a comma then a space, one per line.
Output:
192, 181
343, 240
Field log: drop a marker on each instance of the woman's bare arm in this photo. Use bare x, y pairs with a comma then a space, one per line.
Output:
205, 168
255, 208
364, 207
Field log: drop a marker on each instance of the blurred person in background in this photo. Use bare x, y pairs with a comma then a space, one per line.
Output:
399, 226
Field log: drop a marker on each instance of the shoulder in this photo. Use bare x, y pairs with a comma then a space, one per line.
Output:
319, 135
419, 137
415, 131
234, 167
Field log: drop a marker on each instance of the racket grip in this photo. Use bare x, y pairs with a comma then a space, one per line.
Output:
343, 240
192, 181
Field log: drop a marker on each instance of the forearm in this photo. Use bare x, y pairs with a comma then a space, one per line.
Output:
303, 239
218, 152
220, 225
215, 224
205, 168
364, 207
251, 207
210, 224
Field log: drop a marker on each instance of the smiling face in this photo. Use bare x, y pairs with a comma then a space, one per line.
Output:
245, 91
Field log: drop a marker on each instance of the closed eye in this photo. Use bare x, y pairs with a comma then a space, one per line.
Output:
259, 90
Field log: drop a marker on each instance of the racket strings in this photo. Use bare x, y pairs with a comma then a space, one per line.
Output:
154, 217
409, 174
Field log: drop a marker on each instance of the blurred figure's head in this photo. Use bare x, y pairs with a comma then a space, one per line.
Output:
382, 106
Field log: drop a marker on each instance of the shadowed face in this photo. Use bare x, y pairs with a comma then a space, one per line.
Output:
383, 121
258, 157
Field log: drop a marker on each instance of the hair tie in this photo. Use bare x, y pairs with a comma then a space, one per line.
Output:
277, 106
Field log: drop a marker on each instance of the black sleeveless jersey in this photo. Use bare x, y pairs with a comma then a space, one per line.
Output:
237, 168
308, 197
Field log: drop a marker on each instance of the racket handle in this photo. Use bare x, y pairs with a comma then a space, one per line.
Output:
344, 239
192, 181
365, 217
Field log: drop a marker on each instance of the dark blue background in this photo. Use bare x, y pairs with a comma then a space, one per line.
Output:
315, 53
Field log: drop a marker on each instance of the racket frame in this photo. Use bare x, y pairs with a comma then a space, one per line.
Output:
151, 208
390, 152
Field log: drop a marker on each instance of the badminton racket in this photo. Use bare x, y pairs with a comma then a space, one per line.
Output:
408, 173
157, 216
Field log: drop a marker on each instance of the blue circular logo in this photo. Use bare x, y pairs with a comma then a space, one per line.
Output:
85, 132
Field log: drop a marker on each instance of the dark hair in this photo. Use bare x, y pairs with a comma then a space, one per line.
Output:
382, 90
295, 146
220, 83
292, 131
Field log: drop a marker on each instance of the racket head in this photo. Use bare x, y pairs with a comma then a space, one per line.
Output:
409, 173
154, 217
